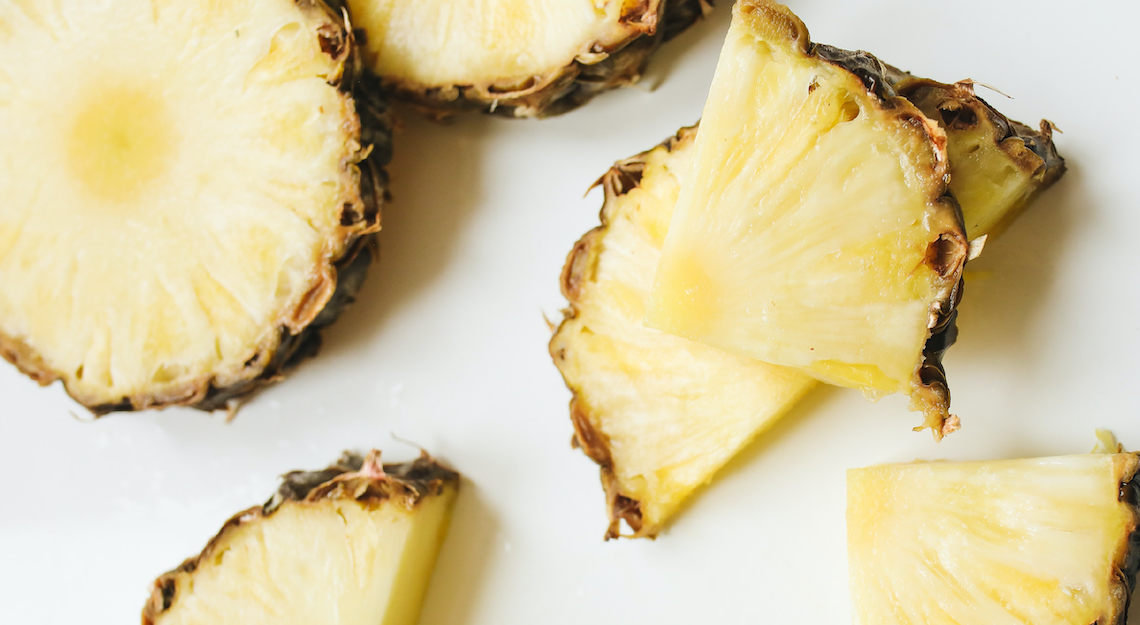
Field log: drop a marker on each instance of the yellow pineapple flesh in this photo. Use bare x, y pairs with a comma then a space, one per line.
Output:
1046, 541
660, 413
183, 182
519, 58
354, 544
814, 229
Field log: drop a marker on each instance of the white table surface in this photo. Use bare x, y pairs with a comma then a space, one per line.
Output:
447, 347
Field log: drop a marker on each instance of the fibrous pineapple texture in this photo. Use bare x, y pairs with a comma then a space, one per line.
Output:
1048, 541
659, 413
519, 58
190, 192
815, 228
662, 414
353, 544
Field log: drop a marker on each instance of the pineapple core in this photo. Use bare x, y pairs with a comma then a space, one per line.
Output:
1031, 542
802, 232
120, 142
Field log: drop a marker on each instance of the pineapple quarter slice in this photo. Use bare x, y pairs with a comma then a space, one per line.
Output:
518, 58
354, 544
659, 413
997, 165
188, 191
814, 229
1047, 541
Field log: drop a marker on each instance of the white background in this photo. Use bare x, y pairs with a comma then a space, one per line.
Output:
447, 347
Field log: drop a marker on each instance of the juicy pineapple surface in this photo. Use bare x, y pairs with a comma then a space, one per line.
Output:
814, 229
520, 58
354, 544
183, 181
660, 413
1046, 541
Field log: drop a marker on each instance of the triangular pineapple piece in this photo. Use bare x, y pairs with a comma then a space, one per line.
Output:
188, 193
659, 413
354, 544
518, 58
1047, 541
997, 166
814, 229
662, 414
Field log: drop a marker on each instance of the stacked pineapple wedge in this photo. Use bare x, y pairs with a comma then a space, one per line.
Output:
813, 228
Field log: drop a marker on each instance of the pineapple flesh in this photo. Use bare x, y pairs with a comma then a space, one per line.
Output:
662, 414
354, 544
815, 229
659, 413
190, 193
518, 58
1046, 541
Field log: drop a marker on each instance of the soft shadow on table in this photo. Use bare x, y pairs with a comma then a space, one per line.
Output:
459, 572
677, 48
436, 183
1016, 274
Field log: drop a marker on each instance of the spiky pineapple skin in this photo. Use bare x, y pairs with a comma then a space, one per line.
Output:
298, 336
648, 24
407, 484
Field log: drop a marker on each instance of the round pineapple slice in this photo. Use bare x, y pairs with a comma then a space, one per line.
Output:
518, 58
188, 194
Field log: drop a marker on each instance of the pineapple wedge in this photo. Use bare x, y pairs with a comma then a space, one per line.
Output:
190, 188
815, 228
353, 544
1047, 541
662, 414
517, 58
659, 413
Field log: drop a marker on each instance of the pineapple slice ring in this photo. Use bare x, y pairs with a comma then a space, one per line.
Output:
518, 58
815, 229
185, 191
354, 544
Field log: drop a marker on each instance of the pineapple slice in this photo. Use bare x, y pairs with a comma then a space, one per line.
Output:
189, 191
662, 414
659, 413
354, 544
815, 229
997, 166
1047, 541
518, 58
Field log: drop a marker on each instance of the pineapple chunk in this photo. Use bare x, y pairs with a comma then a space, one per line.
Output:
519, 58
662, 414
187, 198
659, 413
997, 166
354, 544
815, 229
1047, 541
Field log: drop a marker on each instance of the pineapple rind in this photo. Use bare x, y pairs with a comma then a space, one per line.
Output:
332, 283
997, 166
616, 56
356, 489
660, 414
1048, 541
689, 298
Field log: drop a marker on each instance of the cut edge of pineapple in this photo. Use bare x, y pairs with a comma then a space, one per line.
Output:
1125, 558
355, 478
978, 131
581, 262
617, 59
346, 254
